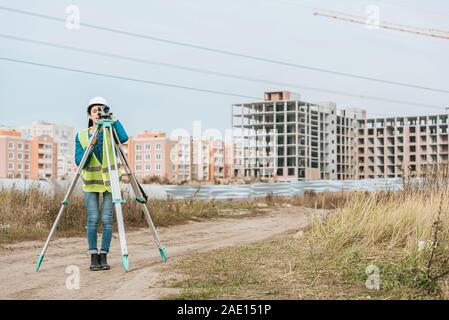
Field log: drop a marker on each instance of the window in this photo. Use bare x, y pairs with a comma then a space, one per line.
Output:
27, 167
158, 167
27, 146
158, 156
27, 156
10, 156
158, 146
138, 157
148, 157
11, 146
10, 166
147, 167
138, 167
19, 156
148, 147
19, 166
19, 146
138, 147
10, 175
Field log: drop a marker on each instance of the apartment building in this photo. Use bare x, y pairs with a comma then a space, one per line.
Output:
152, 153
149, 154
396, 146
23, 157
230, 151
217, 160
64, 136
44, 155
15, 155
290, 139
181, 157
208, 159
346, 139
200, 159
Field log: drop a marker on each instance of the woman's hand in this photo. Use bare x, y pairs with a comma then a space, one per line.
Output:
94, 140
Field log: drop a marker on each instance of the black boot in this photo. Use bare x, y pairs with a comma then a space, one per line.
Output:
94, 262
104, 262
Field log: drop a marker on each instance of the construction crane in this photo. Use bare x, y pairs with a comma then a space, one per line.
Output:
435, 33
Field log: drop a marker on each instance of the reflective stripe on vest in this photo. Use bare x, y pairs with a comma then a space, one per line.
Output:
95, 174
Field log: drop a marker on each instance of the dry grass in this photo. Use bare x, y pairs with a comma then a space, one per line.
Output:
28, 215
324, 200
330, 260
392, 232
402, 235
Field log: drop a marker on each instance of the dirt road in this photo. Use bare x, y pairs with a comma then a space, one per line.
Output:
18, 279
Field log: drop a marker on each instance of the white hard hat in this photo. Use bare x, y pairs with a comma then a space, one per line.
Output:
97, 100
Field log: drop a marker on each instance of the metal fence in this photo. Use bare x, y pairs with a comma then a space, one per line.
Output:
285, 189
226, 192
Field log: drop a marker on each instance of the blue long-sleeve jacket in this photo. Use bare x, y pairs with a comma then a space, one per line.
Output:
98, 147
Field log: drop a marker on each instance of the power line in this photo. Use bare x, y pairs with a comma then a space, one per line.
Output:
138, 80
230, 53
216, 73
106, 75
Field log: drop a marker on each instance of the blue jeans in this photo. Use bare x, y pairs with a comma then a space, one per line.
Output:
91, 201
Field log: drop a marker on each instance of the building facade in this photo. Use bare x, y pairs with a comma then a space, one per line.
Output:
289, 139
182, 162
64, 136
23, 157
149, 154
152, 153
44, 157
15, 155
396, 146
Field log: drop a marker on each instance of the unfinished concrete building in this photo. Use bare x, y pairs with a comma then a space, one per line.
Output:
396, 146
347, 125
290, 139
287, 138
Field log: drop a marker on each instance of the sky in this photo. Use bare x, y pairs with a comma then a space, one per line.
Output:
284, 30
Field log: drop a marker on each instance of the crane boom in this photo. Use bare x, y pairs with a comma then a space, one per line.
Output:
382, 24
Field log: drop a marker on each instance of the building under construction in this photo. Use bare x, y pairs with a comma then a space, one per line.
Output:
290, 139
396, 146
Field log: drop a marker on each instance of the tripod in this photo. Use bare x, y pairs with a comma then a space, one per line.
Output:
109, 132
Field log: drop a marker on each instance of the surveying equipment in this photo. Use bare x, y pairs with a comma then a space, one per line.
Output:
104, 112
109, 132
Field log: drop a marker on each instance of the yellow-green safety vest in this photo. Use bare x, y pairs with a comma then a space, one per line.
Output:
95, 174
